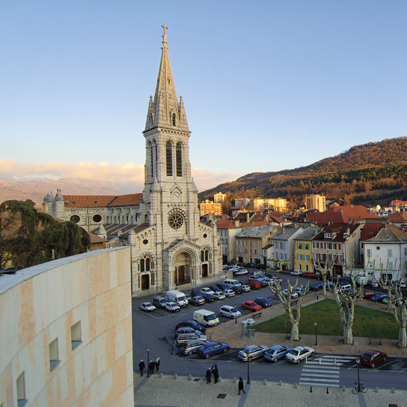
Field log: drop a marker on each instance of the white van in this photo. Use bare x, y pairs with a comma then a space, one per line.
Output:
205, 317
178, 297
231, 282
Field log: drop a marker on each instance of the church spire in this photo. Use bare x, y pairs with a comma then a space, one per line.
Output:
165, 110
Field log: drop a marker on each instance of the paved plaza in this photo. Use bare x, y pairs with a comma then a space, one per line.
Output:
180, 391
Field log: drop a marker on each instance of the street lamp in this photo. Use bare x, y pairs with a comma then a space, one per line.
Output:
316, 334
235, 314
148, 361
248, 369
358, 362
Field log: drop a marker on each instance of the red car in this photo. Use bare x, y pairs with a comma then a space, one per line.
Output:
372, 358
369, 293
251, 306
308, 274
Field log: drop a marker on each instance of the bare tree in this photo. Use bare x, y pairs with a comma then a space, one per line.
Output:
346, 300
396, 304
275, 288
325, 270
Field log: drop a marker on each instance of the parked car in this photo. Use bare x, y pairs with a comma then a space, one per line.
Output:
254, 278
219, 295
276, 352
198, 300
251, 306
206, 290
238, 289
256, 273
296, 273
208, 297
229, 311
212, 348
252, 352
187, 297
251, 265
241, 271
196, 293
147, 307
191, 324
172, 307
373, 283
369, 293
274, 279
308, 274
222, 286
186, 330
372, 358
315, 287
191, 347
299, 290
263, 302
226, 267
159, 302
298, 354
254, 284
245, 286
216, 289
192, 336
229, 293
379, 297
293, 293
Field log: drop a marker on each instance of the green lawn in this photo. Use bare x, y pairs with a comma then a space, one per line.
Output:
367, 323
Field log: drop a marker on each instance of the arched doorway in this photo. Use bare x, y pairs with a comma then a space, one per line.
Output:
182, 268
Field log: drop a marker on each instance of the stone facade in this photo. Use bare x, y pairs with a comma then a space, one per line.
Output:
66, 333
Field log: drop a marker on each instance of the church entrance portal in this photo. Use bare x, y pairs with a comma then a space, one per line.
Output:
182, 272
145, 282
204, 270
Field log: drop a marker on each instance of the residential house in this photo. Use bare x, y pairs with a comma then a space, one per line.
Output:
386, 252
227, 230
250, 242
338, 243
283, 247
303, 249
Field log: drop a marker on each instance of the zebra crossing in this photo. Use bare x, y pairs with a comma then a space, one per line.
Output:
323, 370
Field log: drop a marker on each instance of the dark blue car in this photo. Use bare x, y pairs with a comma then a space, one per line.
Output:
191, 324
212, 348
264, 302
208, 297
238, 289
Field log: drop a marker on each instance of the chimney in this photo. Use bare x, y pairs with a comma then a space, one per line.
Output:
237, 223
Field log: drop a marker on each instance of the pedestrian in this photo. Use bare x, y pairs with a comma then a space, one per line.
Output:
208, 375
215, 372
141, 366
317, 295
240, 386
152, 366
157, 363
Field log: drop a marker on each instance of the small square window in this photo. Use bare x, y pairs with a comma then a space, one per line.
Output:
53, 354
21, 397
76, 335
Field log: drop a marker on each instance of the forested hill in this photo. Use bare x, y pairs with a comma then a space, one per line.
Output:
367, 173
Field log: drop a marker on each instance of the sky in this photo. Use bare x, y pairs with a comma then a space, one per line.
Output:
267, 85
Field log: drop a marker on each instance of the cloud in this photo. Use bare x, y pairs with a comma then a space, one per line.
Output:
120, 174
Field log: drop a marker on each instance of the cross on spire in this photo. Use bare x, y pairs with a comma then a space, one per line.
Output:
164, 35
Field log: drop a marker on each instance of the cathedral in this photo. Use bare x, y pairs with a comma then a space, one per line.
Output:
170, 246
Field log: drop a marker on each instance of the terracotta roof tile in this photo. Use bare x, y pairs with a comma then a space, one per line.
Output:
87, 201
126, 200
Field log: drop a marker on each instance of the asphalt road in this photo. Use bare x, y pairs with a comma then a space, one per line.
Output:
156, 330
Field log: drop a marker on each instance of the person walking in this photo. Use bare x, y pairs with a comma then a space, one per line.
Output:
240, 386
152, 366
215, 372
157, 363
208, 375
141, 366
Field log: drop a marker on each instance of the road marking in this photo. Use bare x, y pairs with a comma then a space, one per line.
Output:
322, 371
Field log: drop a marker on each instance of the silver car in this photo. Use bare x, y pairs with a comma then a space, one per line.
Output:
252, 352
191, 347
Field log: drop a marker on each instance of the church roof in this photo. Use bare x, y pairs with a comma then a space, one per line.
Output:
341, 214
101, 201
126, 200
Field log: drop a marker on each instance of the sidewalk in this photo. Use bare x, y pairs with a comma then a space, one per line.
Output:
230, 332
182, 391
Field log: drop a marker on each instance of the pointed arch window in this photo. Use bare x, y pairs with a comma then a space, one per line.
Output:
174, 119
179, 160
151, 160
169, 158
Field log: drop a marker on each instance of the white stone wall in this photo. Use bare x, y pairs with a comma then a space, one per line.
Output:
42, 303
